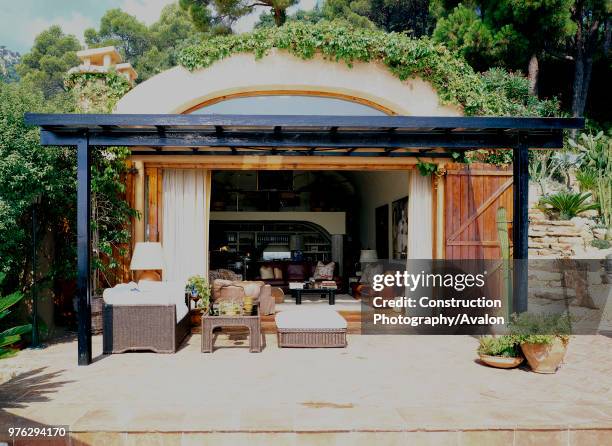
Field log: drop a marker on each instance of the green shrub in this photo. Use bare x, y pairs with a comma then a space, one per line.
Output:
505, 345
569, 204
601, 244
528, 328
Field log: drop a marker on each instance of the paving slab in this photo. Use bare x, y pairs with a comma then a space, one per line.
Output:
392, 389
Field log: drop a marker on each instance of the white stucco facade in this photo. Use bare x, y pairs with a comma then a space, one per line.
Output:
178, 89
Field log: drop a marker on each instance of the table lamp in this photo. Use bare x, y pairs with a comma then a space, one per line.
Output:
368, 255
148, 257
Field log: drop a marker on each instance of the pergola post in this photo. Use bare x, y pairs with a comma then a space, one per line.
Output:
84, 249
520, 225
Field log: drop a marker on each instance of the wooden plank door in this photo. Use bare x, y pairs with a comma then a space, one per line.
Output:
473, 194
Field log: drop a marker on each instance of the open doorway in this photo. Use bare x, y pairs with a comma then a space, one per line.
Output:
280, 226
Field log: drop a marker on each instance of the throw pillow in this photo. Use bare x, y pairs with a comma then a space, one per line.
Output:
278, 273
296, 272
370, 270
266, 273
324, 272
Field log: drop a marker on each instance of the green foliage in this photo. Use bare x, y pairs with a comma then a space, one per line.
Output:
587, 179
28, 170
569, 204
530, 328
150, 50
506, 346
97, 92
465, 33
352, 12
218, 16
122, 30
502, 33
315, 15
111, 214
198, 286
455, 81
10, 336
405, 16
51, 56
597, 151
409, 16
601, 244
427, 169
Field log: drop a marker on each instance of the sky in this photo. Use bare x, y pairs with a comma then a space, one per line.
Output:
21, 21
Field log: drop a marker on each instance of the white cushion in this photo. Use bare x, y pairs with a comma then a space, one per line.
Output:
310, 318
148, 293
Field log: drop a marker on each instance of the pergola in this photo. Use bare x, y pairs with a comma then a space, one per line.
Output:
345, 136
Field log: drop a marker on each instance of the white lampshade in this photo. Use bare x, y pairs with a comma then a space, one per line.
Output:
368, 255
147, 256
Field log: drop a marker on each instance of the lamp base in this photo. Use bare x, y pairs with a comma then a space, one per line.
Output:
151, 275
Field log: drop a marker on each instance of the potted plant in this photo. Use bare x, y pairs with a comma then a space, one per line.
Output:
500, 351
197, 286
543, 339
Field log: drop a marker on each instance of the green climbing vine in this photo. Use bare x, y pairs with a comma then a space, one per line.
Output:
97, 92
494, 93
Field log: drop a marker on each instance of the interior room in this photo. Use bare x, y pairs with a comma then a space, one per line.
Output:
277, 226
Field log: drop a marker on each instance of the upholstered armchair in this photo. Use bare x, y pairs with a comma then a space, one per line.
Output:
232, 290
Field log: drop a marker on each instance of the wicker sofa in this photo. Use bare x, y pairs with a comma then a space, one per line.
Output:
237, 290
145, 316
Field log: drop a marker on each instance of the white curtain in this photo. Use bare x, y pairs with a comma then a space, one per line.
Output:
420, 218
186, 203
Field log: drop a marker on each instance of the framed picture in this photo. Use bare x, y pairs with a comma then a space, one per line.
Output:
399, 228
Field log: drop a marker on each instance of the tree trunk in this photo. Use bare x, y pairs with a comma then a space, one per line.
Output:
534, 70
279, 16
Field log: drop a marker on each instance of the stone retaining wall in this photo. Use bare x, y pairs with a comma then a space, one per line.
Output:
556, 237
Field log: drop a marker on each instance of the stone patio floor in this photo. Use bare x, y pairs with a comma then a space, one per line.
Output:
378, 390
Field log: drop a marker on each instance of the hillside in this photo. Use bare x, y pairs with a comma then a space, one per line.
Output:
8, 60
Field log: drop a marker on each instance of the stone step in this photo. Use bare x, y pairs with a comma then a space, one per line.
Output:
519, 436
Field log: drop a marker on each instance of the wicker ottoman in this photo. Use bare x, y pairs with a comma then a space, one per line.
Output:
311, 328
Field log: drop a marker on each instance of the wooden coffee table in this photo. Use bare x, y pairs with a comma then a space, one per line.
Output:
330, 294
253, 323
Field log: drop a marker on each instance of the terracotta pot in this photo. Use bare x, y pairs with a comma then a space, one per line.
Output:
502, 362
545, 358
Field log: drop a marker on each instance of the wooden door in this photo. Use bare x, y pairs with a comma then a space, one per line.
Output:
474, 193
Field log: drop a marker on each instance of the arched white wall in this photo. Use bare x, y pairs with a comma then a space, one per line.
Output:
177, 90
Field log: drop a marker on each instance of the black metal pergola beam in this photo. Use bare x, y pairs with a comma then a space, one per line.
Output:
308, 139
350, 136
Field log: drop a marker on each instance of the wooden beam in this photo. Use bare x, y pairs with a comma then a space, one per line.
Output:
279, 162
139, 187
152, 204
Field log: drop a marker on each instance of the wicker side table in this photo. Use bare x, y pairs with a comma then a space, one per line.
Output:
253, 323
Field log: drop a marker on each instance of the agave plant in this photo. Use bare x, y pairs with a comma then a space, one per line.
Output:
569, 204
12, 335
